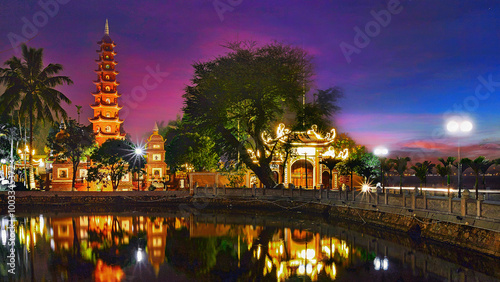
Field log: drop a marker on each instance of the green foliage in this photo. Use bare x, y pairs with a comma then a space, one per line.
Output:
234, 98
110, 161
234, 173
9, 136
320, 111
422, 170
192, 149
73, 144
442, 170
30, 88
400, 166
479, 166
447, 164
368, 166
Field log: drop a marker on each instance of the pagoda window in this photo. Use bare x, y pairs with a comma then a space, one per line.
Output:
98, 100
107, 66
107, 57
97, 129
108, 114
115, 100
107, 100
108, 128
107, 77
108, 88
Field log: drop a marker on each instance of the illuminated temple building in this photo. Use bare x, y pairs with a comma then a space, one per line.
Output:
106, 122
303, 167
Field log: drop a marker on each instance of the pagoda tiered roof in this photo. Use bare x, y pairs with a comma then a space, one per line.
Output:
106, 81
105, 119
104, 105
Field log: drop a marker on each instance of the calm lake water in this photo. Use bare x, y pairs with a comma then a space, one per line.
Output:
131, 247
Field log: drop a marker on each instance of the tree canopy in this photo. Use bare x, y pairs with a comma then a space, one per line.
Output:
30, 88
72, 143
235, 98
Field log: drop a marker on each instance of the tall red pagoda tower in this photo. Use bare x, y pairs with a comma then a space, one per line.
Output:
106, 122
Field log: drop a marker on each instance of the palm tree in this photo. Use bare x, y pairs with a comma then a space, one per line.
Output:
465, 164
30, 88
421, 171
442, 171
447, 164
400, 165
385, 166
478, 166
330, 163
485, 165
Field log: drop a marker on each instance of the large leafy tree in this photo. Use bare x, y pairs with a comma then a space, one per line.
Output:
400, 166
110, 160
235, 98
71, 143
30, 88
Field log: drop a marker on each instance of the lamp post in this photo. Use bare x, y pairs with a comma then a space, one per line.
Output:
381, 152
139, 153
456, 127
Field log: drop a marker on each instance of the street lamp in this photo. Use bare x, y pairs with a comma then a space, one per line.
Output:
139, 152
456, 127
381, 152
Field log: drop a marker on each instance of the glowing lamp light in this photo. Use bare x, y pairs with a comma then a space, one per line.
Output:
376, 263
309, 268
381, 151
462, 126
365, 188
138, 151
140, 255
302, 269
452, 126
385, 264
466, 126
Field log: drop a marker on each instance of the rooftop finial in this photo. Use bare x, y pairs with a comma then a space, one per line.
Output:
106, 28
155, 129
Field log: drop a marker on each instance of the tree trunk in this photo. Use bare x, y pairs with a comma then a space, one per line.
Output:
75, 169
400, 184
30, 149
261, 170
331, 179
477, 186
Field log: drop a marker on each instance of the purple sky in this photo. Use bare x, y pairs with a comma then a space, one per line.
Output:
424, 63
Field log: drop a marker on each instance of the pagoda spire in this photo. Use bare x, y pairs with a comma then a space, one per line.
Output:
155, 129
105, 121
106, 28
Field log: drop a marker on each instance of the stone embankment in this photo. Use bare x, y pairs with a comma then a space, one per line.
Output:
462, 222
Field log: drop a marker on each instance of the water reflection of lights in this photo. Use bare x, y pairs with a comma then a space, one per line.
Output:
140, 255
381, 263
